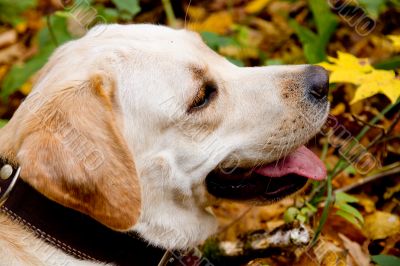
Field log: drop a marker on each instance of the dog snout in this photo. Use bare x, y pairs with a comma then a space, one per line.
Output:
318, 82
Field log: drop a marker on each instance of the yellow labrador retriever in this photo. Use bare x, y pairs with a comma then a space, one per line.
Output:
138, 128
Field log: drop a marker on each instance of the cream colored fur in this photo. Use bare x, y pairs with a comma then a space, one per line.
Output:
148, 75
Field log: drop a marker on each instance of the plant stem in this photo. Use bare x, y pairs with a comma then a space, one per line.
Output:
52, 35
169, 11
325, 211
324, 151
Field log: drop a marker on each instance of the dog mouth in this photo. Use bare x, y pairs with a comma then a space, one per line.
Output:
270, 182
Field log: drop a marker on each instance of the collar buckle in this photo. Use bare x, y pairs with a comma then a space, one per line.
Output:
8, 179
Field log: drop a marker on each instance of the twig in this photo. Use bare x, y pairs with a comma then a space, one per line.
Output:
393, 124
388, 138
368, 179
363, 123
261, 243
165, 258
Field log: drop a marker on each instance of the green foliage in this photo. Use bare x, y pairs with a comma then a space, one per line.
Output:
386, 260
290, 214
302, 215
373, 7
215, 41
211, 250
11, 10
347, 211
110, 15
391, 63
19, 74
127, 8
344, 197
314, 44
235, 61
273, 62
3, 123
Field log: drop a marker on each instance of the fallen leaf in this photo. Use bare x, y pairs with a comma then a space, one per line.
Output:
11, 53
391, 191
256, 6
26, 88
367, 203
219, 22
350, 69
346, 68
360, 257
8, 37
196, 12
395, 42
338, 109
378, 81
386, 260
380, 225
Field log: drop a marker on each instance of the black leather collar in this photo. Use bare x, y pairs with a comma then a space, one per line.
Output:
75, 233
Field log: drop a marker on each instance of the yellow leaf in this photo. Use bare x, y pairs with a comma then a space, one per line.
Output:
256, 6
339, 109
347, 62
350, 69
395, 42
196, 12
219, 22
378, 81
21, 27
3, 71
380, 225
26, 88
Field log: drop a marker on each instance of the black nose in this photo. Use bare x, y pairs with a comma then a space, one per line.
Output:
318, 82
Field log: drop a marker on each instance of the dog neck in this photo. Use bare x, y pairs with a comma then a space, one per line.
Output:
74, 233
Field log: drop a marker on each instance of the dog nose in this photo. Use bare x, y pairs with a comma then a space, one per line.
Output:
318, 82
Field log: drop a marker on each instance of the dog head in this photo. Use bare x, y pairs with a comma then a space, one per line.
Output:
148, 120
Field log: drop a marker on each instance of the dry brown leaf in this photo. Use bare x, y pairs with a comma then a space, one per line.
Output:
259, 262
360, 258
328, 254
12, 53
8, 37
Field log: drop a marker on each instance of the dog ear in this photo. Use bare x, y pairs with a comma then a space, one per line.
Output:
71, 149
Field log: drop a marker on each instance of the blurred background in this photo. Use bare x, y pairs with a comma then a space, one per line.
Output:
353, 217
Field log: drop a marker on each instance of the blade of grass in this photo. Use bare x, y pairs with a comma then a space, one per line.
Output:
169, 11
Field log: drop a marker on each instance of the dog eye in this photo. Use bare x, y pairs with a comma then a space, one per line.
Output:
204, 96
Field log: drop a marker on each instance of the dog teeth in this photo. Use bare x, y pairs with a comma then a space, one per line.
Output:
6, 171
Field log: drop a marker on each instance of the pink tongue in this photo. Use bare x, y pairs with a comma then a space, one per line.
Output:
301, 162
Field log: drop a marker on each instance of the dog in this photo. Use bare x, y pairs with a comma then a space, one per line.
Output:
142, 127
